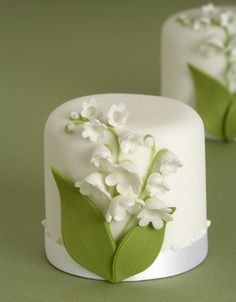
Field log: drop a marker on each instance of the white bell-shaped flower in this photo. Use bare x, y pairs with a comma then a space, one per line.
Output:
94, 130
129, 142
156, 185
91, 109
169, 163
117, 115
156, 212
121, 205
93, 185
101, 156
125, 176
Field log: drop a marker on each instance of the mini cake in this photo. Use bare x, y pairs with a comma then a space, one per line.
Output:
198, 57
125, 187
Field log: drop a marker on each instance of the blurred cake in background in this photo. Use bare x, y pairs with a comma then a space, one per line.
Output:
198, 65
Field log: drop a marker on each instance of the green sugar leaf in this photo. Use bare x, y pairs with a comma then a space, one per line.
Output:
137, 251
230, 121
212, 101
85, 232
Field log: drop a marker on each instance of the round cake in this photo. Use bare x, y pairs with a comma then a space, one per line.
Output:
125, 187
198, 65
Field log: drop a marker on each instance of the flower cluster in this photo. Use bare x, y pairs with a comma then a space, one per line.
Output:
118, 181
212, 16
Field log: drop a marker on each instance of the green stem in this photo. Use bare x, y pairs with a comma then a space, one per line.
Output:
115, 136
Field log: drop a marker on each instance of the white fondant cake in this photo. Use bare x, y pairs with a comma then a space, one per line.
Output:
205, 38
80, 143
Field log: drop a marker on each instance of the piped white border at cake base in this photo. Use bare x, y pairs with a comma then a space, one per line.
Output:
168, 263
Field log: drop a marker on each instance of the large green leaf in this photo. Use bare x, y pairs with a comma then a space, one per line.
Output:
230, 122
137, 251
212, 101
86, 234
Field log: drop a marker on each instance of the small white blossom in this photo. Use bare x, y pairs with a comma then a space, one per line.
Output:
70, 127
201, 23
212, 46
209, 9
129, 142
156, 185
169, 163
149, 140
155, 211
94, 130
117, 115
121, 205
91, 109
74, 115
183, 19
125, 176
101, 156
93, 185
226, 19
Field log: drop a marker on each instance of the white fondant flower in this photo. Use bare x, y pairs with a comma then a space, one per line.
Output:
117, 115
70, 127
121, 205
209, 9
156, 185
125, 176
93, 185
201, 23
183, 19
169, 163
101, 156
212, 46
129, 142
91, 109
149, 140
94, 130
155, 211
74, 115
226, 19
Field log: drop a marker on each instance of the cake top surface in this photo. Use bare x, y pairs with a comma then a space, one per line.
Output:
145, 111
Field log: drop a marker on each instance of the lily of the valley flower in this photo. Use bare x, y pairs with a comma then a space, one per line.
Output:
70, 127
94, 130
156, 185
209, 9
183, 19
212, 46
91, 109
101, 156
169, 163
156, 212
93, 185
125, 176
226, 19
74, 115
117, 115
129, 142
121, 205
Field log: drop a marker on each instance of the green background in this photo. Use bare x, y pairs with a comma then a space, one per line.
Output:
50, 52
